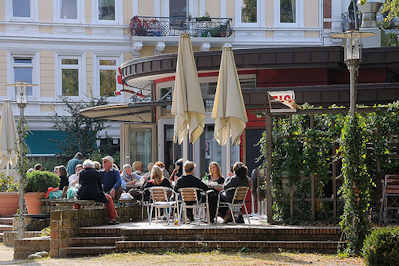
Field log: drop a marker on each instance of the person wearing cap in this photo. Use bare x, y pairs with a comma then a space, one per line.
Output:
110, 178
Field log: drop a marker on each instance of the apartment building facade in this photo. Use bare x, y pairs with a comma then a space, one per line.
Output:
72, 48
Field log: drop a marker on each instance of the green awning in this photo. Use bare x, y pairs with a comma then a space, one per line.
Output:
44, 142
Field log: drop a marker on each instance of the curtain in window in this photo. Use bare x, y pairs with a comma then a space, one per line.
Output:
21, 8
69, 9
287, 11
106, 9
249, 11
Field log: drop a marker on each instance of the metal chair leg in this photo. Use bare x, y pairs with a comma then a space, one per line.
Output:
150, 216
232, 214
246, 211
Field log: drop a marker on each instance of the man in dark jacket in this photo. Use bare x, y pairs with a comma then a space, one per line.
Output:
111, 179
189, 180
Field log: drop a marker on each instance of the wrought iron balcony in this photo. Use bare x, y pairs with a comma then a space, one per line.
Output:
174, 26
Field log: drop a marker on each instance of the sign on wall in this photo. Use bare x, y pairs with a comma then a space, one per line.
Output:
279, 100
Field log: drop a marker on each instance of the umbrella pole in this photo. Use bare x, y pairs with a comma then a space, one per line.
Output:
228, 156
185, 148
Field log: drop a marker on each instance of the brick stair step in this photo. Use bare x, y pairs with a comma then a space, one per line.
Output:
6, 220
99, 232
4, 228
87, 251
94, 241
293, 245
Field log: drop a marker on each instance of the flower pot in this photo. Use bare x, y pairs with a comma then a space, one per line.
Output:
8, 203
33, 203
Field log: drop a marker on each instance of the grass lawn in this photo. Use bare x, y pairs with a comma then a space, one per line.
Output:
201, 258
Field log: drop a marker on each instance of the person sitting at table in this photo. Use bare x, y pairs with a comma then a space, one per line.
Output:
138, 168
111, 178
162, 166
62, 173
74, 178
157, 180
189, 180
129, 179
177, 172
216, 175
91, 188
239, 179
147, 175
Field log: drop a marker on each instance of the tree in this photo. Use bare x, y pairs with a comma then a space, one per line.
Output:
81, 132
390, 9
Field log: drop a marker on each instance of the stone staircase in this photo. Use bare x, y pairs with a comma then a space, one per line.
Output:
101, 240
5, 225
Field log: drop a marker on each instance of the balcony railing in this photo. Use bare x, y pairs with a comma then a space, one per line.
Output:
174, 26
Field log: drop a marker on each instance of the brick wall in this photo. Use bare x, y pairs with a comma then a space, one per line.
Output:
65, 224
24, 247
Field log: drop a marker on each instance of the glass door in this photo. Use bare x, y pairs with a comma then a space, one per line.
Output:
140, 140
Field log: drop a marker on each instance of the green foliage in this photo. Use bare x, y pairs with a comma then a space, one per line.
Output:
300, 151
390, 9
8, 184
40, 181
381, 247
356, 187
81, 131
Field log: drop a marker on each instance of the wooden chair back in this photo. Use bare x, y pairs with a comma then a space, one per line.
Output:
159, 194
188, 194
240, 194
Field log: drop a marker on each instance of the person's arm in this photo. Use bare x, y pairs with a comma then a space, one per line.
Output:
64, 192
118, 180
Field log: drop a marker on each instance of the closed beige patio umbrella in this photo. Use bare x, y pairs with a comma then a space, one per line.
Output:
187, 104
8, 137
228, 108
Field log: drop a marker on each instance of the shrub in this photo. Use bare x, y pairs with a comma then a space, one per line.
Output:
381, 247
7, 183
40, 181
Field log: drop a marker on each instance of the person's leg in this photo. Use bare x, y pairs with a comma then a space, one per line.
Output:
212, 201
224, 211
118, 193
111, 208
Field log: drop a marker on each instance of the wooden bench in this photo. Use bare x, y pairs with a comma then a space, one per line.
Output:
390, 199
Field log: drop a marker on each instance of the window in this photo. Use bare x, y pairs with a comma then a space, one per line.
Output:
178, 8
106, 10
70, 68
23, 71
178, 11
287, 11
68, 9
107, 76
21, 8
249, 11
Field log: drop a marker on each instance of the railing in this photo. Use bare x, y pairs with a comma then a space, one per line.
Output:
174, 26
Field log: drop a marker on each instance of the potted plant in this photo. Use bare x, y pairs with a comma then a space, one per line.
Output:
35, 186
8, 196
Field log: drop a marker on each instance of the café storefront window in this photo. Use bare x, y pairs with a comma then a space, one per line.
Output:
140, 140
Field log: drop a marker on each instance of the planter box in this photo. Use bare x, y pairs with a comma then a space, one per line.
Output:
8, 204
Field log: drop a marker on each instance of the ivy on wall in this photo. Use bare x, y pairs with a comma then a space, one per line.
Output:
299, 151
355, 222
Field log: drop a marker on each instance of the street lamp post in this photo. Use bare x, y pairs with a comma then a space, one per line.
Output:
352, 58
21, 100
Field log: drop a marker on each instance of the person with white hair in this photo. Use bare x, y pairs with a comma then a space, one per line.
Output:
129, 179
110, 178
91, 188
